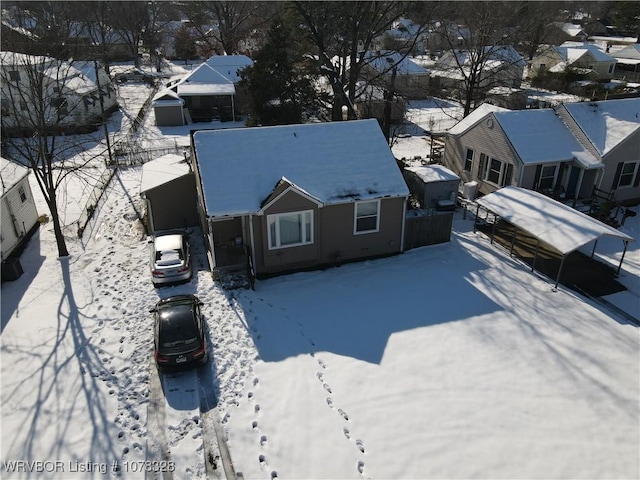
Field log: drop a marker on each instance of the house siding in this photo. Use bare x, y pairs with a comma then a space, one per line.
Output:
169, 116
334, 239
173, 205
17, 217
481, 139
627, 151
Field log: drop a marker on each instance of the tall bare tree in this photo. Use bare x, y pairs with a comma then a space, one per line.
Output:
36, 108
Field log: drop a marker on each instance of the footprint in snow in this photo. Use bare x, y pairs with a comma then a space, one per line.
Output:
329, 402
327, 387
360, 467
346, 432
360, 445
343, 414
263, 440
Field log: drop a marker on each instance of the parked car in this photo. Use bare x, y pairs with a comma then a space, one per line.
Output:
179, 332
170, 259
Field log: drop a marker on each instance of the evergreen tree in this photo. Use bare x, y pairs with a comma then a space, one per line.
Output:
278, 83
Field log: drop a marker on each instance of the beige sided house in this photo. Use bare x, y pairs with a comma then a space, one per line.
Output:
297, 197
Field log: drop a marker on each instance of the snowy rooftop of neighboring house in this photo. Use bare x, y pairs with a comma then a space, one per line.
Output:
571, 51
433, 173
163, 170
229, 65
335, 162
539, 136
474, 117
10, 174
559, 225
607, 123
630, 52
384, 61
166, 97
205, 80
570, 28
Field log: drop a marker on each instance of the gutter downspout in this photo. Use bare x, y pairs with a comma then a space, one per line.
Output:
404, 220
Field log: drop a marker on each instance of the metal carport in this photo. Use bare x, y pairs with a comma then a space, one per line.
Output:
549, 221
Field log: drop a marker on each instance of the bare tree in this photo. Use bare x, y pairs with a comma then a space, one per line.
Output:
233, 21
37, 106
479, 39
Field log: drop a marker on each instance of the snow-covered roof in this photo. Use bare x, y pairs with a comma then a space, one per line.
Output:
433, 173
539, 136
166, 97
474, 117
335, 162
384, 61
205, 80
630, 52
570, 28
229, 65
554, 223
572, 51
162, 170
10, 174
607, 123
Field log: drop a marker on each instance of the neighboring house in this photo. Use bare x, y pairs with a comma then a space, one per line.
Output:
498, 66
564, 152
628, 63
19, 213
403, 36
582, 58
209, 92
164, 181
411, 80
528, 148
370, 103
70, 93
560, 32
296, 197
610, 130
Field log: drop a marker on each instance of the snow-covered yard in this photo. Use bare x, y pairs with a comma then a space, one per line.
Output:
448, 361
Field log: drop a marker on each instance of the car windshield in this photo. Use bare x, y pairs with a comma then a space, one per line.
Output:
168, 257
177, 326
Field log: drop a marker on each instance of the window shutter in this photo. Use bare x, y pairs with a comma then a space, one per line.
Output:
536, 178
481, 167
616, 179
506, 179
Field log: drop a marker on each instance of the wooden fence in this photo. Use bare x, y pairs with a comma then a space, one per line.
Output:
423, 230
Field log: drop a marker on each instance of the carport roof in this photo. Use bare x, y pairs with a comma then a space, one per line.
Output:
552, 222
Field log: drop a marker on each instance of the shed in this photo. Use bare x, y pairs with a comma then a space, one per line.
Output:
435, 186
168, 186
168, 108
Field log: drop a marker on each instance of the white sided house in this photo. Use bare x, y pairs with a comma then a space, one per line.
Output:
66, 97
19, 213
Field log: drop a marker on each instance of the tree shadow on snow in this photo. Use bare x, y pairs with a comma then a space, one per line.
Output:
77, 406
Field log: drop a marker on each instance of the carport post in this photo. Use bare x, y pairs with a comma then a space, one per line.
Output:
535, 255
493, 228
513, 241
475, 220
593, 252
560, 270
626, 243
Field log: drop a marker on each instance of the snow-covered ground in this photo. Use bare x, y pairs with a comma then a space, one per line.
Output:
448, 361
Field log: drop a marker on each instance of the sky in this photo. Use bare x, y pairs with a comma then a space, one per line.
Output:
447, 361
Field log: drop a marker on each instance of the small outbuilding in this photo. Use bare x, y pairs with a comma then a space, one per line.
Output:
434, 186
168, 108
169, 189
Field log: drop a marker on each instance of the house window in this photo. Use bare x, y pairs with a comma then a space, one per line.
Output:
14, 76
23, 194
495, 171
547, 177
627, 174
468, 161
367, 217
290, 229
611, 66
